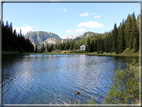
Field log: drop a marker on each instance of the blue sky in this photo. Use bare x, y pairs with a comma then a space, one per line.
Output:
67, 18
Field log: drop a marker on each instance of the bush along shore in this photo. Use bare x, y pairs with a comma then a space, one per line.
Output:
125, 86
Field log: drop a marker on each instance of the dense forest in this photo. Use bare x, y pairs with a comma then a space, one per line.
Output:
126, 35
11, 41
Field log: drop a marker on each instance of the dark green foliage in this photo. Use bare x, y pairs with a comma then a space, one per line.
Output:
88, 45
42, 48
47, 47
125, 86
135, 33
13, 42
115, 42
92, 46
121, 41
50, 48
98, 46
128, 30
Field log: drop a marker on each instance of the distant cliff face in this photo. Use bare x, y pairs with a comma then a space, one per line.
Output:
85, 35
40, 37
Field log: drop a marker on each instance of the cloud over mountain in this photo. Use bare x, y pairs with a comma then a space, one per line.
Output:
23, 29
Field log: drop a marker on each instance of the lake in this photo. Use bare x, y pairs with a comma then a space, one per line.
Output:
46, 79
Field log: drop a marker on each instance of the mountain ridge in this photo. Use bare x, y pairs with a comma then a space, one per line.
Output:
40, 37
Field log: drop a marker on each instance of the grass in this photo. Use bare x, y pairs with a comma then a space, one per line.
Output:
126, 52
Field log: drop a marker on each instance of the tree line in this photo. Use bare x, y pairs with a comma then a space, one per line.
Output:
12, 41
126, 35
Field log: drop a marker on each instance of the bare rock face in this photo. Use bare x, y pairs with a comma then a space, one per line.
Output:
40, 37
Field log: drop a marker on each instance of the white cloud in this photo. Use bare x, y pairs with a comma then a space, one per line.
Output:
23, 29
97, 16
90, 24
85, 14
64, 10
68, 31
80, 30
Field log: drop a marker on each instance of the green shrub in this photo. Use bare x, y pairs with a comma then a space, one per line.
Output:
125, 86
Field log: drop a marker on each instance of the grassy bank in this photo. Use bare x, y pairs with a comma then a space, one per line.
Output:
126, 52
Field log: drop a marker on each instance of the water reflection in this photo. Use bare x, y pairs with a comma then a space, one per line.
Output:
35, 79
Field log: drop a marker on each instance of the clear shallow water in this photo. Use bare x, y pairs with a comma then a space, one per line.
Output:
46, 79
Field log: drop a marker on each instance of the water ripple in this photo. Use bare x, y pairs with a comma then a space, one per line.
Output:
46, 79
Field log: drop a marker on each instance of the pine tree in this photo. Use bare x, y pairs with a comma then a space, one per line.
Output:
122, 42
47, 47
115, 34
42, 48
92, 46
106, 45
135, 34
118, 39
98, 45
128, 31
88, 45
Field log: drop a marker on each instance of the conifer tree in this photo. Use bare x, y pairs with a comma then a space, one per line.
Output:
135, 37
42, 48
115, 34
98, 45
128, 30
122, 42
47, 47
88, 45
134, 32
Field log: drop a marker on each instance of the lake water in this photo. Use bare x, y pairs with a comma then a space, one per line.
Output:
46, 79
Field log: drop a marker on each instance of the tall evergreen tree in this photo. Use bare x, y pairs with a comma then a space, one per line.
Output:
135, 34
128, 31
42, 48
115, 34
122, 42
47, 47
98, 45
88, 45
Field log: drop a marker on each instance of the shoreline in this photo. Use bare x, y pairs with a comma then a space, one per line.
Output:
68, 53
